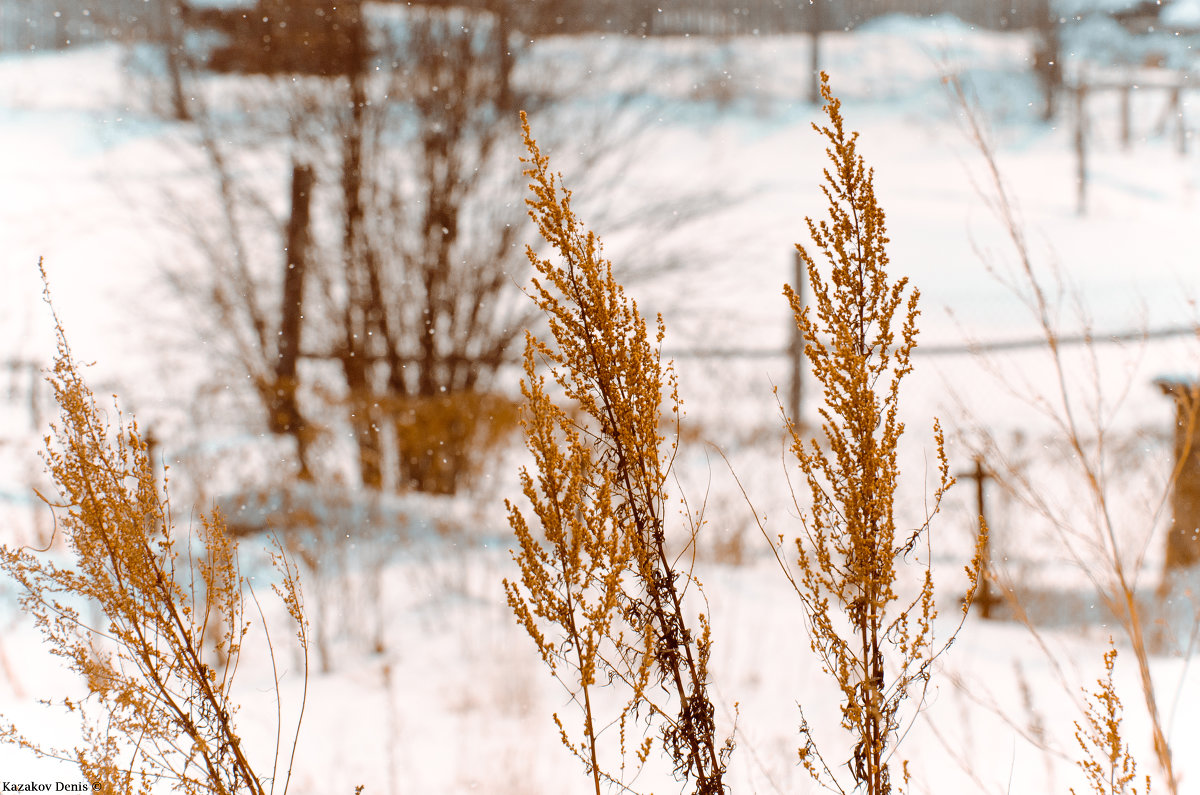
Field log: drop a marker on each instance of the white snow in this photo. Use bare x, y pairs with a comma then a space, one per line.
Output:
431, 687
1182, 14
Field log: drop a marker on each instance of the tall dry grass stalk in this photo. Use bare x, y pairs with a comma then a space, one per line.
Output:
860, 333
159, 710
1082, 417
600, 594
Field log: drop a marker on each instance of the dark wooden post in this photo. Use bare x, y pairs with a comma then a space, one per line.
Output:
35, 403
1183, 539
153, 447
504, 58
815, 23
984, 598
796, 387
1126, 91
645, 19
1081, 149
62, 36
173, 33
285, 414
1180, 123
1046, 61
296, 254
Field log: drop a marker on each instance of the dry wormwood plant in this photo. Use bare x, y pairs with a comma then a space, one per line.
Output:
159, 713
602, 580
1109, 767
878, 647
1083, 420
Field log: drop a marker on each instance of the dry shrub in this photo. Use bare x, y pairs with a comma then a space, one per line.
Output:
599, 594
446, 440
876, 642
160, 708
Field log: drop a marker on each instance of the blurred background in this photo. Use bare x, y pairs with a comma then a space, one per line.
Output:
291, 237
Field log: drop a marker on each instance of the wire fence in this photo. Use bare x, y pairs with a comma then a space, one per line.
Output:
963, 348
793, 352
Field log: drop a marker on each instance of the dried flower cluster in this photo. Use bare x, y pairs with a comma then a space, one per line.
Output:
600, 577
878, 647
159, 710
1109, 768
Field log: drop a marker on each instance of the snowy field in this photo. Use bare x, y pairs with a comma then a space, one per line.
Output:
424, 683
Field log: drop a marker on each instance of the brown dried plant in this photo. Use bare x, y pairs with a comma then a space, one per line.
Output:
1109, 768
159, 710
1091, 529
599, 592
877, 646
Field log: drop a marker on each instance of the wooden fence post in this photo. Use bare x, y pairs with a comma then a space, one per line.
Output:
1047, 59
814, 38
174, 31
984, 597
35, 403
796, 386
1081, 149
285, 414
1180, 123
62, 34
1183, 538
501, 12
1126, 91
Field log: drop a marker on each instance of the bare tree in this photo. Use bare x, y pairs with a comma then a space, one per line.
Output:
402, 252
409, 295
421, 286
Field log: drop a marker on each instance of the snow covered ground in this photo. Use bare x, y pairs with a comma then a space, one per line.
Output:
429, 686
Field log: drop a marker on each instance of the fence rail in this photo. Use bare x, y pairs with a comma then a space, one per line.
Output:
957, 349
797, 363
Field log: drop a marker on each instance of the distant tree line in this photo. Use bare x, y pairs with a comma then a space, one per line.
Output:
55, 24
